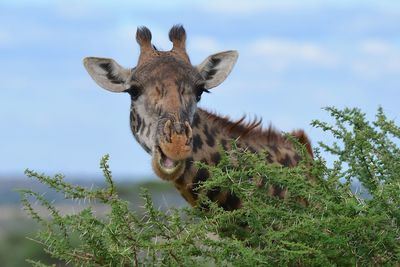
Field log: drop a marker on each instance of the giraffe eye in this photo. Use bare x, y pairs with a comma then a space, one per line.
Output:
198, 96
134, 91
199, 91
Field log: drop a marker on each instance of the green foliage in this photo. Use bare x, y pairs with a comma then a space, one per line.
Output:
337, 227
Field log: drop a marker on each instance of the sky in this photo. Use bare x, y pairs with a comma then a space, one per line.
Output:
295, 57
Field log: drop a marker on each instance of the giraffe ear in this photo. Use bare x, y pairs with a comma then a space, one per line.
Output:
217, 67
107, 73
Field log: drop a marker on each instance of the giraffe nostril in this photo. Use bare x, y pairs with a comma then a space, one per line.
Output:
168, 131
174, 131
188, 132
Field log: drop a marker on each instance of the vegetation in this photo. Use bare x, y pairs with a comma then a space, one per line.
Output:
337, 226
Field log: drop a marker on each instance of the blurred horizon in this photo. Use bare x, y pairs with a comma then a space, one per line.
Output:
294, 59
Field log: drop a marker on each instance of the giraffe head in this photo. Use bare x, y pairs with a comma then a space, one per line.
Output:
164, 88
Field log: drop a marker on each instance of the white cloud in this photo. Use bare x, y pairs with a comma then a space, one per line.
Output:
240, 8
376, 58
76, 9
235, 7
245, 8
376, 47
21, 33
370, 59
282, 53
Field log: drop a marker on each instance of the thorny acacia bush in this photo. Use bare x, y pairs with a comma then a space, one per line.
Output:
337, 228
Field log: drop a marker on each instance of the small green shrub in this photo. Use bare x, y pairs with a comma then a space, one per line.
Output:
338, 227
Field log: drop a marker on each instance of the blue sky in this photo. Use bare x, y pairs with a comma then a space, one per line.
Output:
295, 57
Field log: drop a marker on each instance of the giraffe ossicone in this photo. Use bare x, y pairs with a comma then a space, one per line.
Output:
165, 89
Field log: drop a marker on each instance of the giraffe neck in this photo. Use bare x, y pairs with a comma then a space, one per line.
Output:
210, 133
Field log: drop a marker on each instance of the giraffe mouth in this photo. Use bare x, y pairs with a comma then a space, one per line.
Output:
166, 164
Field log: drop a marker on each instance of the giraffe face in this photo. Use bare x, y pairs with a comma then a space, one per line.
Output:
164, 97
164, 88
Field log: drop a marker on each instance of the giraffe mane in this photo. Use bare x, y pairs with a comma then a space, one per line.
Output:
246, 128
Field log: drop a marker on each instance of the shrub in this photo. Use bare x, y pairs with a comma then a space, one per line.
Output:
338, 226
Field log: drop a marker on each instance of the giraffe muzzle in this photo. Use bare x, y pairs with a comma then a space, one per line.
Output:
176, 140
174, 147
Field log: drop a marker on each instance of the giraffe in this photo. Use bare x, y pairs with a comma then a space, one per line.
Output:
165, 89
